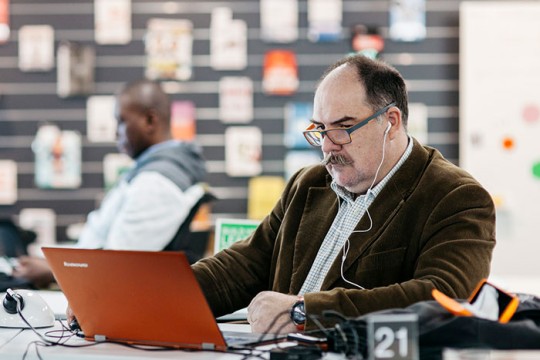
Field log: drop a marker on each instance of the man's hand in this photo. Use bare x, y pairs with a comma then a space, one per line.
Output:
268, 306
35, 270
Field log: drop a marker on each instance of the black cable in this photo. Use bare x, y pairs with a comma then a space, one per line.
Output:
46, 342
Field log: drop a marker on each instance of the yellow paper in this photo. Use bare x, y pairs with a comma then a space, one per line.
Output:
263, 193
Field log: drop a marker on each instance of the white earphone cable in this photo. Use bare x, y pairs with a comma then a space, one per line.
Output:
347, 244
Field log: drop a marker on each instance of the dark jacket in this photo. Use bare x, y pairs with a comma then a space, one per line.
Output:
433, 227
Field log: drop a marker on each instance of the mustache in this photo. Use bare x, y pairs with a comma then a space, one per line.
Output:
334, 159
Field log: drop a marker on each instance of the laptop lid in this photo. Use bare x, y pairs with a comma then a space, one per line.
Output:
139, 297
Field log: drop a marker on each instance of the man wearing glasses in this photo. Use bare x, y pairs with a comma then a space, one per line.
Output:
378, 224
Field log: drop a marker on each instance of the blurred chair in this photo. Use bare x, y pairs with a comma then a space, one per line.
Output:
192, 242
14, 241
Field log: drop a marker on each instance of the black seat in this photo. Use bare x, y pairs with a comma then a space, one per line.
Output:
192, 243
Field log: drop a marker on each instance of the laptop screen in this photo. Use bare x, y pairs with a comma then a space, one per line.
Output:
139, 297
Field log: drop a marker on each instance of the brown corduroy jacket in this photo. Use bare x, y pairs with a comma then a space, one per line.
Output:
433, 227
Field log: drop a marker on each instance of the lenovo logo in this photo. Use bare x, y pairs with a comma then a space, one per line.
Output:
72, 264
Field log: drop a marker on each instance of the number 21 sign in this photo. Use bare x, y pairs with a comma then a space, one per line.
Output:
392, 336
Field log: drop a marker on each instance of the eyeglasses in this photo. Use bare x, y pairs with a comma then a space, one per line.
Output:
339, 136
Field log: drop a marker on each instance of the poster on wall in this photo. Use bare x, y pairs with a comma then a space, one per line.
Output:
228, 41
183, 126
407, 20
263, 194
36, 48
112, 22
235, 99
243, 151
100, 121
279, 20
8, 182
75, 69
4, 21
297, 159
57, 158
114, 166
367, 40
417, 122
297, 118
280, 73
43, 223
324, 18
168, 45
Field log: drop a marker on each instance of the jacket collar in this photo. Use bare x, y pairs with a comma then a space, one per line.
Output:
321, 208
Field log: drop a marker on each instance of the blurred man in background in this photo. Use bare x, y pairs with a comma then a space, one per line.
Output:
147, 207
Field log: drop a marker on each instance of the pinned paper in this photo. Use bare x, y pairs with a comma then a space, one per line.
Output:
75, 69
417, 124
183, 120
235, 99
112, 21
297, 118
280, 73
4, 21
36, 48
114, 166
57, 158
243, 151
324, 17
279, 20
168, 47
40, 221
8, 182
297, 159
100, 121
228, 41
367, 41
263, 193
407, 20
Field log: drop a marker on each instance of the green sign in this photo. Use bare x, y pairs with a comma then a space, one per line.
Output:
228, 231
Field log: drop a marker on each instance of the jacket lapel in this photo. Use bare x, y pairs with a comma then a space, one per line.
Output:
319, 213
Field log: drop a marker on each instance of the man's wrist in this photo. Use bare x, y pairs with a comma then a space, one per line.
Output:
298, 314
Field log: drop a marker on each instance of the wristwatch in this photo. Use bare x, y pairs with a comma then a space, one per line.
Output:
298, 314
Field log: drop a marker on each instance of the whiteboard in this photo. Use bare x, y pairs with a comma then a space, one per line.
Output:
500, 121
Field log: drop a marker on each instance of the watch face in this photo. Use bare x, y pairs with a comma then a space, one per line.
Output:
298, 313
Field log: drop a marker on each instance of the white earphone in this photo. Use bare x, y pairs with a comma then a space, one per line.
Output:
388, 128
369, 191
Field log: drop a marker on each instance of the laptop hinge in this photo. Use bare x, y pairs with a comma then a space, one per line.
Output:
100, 338
208, 346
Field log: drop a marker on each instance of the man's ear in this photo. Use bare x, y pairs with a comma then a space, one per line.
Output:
153, 121
151, 117
394, 117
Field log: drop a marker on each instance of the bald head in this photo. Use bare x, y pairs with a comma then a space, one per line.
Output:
382, 83
143, 111
148, 97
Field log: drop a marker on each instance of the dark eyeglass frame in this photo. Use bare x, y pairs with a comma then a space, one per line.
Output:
315, 137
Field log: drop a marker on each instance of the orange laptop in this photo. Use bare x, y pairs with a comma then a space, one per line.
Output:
138, 297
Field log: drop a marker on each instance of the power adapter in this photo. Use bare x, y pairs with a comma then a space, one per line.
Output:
296, 353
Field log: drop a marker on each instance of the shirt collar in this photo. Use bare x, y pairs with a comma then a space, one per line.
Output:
350, 197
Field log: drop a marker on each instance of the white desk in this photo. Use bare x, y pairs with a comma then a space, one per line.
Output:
13, 344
